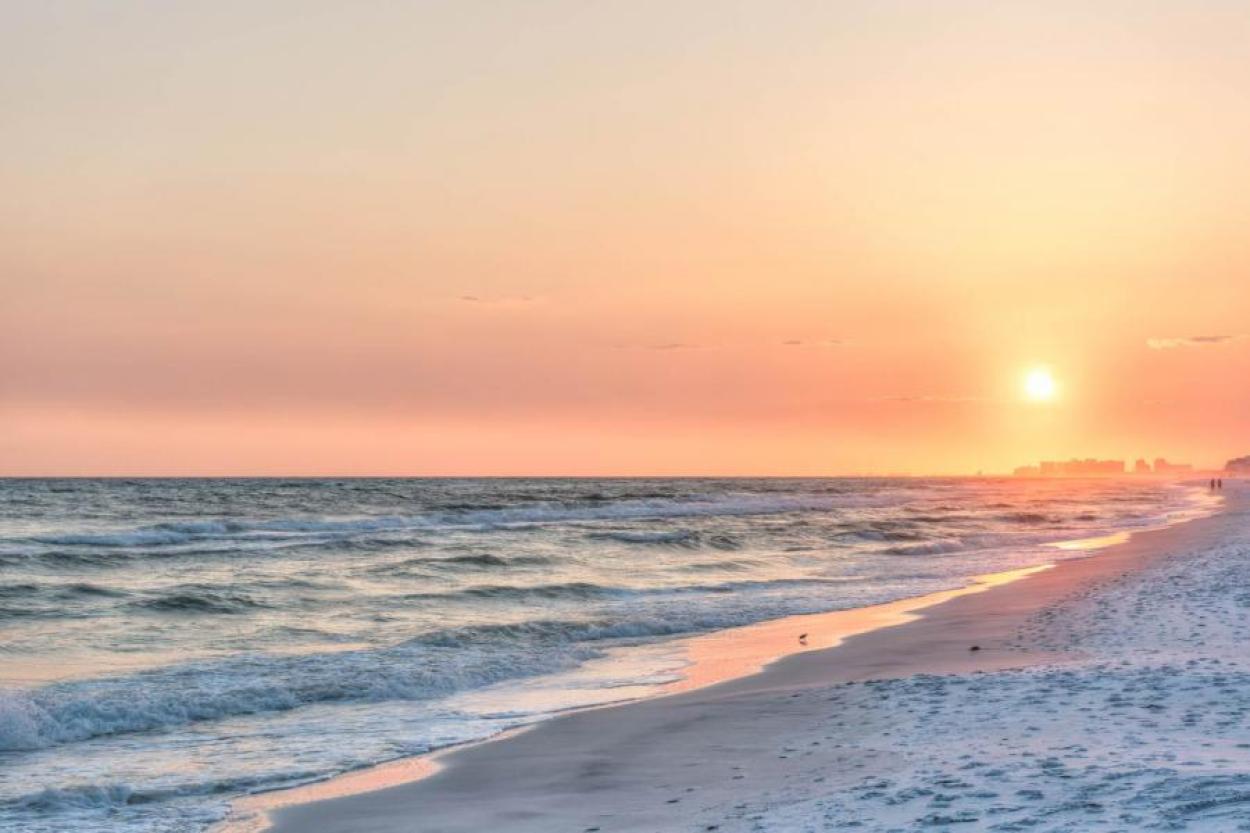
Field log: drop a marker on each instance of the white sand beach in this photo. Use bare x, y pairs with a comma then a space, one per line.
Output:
1108, 693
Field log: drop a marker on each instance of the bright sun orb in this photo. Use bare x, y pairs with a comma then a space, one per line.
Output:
1039, 385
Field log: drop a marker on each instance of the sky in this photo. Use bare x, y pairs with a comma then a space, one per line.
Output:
687, 237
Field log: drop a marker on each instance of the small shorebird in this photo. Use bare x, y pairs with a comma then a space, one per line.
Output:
802, 639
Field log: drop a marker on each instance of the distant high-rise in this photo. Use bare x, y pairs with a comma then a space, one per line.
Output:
1088, 467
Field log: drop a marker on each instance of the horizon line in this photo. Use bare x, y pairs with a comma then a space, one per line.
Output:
775, 476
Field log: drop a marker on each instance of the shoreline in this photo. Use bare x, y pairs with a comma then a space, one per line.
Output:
715, 658
492, 781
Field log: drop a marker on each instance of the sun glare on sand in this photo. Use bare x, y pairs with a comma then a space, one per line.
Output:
1039, 385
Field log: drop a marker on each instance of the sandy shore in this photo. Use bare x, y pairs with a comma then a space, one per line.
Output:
741, 754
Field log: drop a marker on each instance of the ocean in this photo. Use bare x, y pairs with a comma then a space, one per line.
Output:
168, 645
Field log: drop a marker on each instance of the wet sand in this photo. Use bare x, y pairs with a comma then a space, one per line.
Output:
677, 762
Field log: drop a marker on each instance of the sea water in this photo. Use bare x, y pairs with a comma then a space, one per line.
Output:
168, 645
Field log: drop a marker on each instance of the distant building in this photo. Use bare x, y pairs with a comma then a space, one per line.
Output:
1164, 467
1096, 467
1090, 467
1238, 465
1073, 468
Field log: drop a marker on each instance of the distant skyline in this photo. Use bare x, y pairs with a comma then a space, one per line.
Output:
641, 238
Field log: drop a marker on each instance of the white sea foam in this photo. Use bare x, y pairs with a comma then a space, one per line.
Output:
69, 712
299, 629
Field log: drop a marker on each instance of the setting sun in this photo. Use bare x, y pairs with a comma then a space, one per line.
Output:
1039, 385
372, 370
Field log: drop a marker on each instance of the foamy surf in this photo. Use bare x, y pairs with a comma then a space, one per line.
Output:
261, 633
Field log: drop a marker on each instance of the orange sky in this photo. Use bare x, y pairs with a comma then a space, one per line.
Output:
568, 238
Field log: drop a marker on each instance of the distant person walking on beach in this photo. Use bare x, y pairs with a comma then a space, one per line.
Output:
1213, 484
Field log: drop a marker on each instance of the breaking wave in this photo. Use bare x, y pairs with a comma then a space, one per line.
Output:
298, 628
